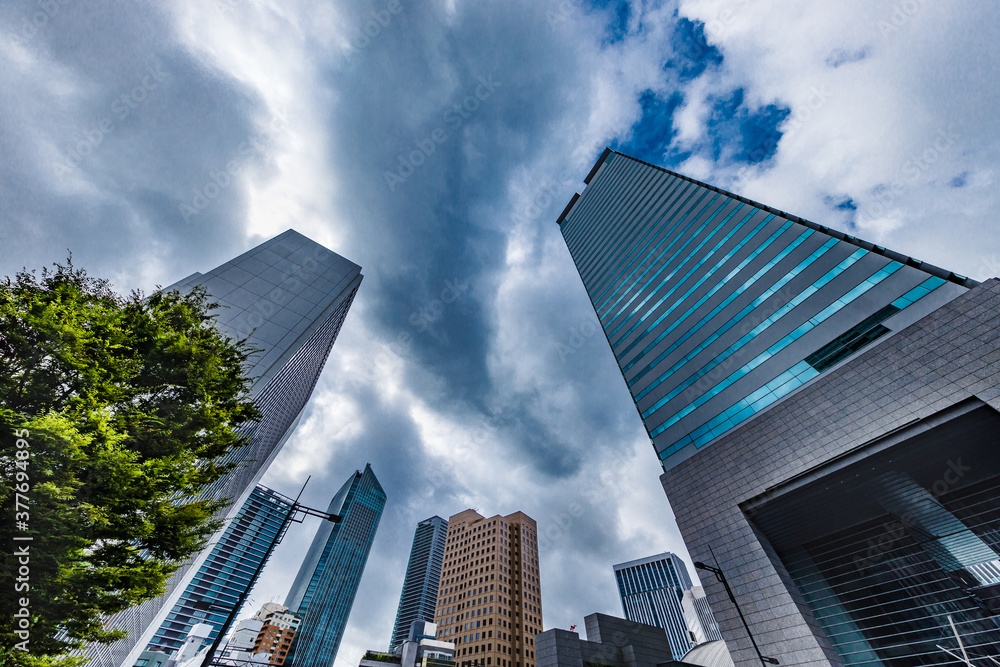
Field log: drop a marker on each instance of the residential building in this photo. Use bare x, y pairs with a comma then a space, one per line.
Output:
323, 591
239, 647
489, 600
651, 590
277, 633
288, 297
152, 659
610, 642
815, 402
423, 573
419, 648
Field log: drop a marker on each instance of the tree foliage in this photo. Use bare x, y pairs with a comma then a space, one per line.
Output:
126, 407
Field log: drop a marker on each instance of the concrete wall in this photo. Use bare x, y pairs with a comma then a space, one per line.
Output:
949, 356
610, 641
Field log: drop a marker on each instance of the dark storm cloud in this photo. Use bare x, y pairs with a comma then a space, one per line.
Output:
442, 108
120, 128
438, 110
471, 310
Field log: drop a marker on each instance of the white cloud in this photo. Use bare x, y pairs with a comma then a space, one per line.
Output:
509, 398
891, 127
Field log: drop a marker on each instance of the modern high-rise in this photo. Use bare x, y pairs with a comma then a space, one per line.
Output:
423, 574
288, 297
824, 410
420, 648
651, 590
323, 591
490, 598
227, 571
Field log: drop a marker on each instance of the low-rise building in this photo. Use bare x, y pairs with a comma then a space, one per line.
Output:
700, 620
610, 642
278, 629
420, 649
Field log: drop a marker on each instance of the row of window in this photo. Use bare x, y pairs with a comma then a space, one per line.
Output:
809, 325
722, 283
698, 265
690, 238
674, 235
683, 194
798, 374
585, 238
733, 321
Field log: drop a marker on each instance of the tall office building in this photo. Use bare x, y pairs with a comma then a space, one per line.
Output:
289, 297
824, 410
228, 570
652, 589
323, 591
490, 597
423, 573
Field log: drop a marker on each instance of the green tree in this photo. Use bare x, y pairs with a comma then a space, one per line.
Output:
115, 415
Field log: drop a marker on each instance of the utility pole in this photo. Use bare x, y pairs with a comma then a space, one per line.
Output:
764, 660
294, 511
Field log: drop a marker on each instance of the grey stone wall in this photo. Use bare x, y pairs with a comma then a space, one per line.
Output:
949, 356
610, 641
558, 648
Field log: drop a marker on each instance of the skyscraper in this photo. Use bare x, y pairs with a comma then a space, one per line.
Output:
289, 297
323, 591
423, 574
652, 589
227, 570
716, 306
815, 402
489, 600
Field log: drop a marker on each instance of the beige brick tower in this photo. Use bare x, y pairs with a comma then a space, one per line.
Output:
489, 599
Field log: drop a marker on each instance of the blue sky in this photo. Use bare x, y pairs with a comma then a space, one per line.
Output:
436, 150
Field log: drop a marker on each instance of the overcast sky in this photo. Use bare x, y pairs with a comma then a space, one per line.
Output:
121, 124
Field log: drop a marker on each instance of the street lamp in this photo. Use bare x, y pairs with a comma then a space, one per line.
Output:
295, 509
721, 577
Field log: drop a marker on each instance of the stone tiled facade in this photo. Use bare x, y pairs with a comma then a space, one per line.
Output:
949, 356
611, 642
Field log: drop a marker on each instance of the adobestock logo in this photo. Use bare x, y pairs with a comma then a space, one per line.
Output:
453, 117
223, 176
380, 19
578, 337
912, 170
87, 141
47, 9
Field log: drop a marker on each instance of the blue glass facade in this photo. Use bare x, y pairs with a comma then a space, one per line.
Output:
324, 588
717, 307
227, 571
651, 590
423, 574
